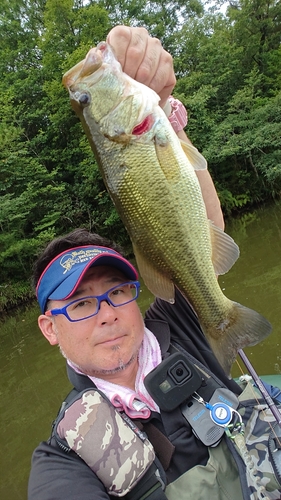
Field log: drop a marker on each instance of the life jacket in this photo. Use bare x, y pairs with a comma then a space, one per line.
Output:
244, 465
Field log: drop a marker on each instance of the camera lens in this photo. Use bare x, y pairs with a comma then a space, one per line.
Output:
180, 372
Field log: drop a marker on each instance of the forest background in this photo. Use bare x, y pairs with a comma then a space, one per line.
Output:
228, 67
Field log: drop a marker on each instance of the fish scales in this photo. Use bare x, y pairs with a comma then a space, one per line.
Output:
157, 216
151, 180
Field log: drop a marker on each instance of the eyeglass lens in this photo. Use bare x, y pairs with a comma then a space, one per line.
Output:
89, 306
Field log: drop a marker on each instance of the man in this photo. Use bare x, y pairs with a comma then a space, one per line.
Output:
112, 438
112, 349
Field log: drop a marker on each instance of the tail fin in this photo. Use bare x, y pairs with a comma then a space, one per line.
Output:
243, 327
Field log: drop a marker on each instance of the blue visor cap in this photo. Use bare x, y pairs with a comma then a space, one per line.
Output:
63, 274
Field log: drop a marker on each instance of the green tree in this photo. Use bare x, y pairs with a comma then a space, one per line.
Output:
162, 19
257, 28
234, 99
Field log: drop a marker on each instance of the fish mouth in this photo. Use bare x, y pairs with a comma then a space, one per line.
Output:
91, 68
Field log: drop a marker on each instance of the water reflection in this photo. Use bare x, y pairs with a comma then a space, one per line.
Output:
33, 379
254, 280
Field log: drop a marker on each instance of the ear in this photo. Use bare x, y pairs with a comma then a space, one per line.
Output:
47, 327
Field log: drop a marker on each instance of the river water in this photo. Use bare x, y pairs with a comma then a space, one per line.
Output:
33, 379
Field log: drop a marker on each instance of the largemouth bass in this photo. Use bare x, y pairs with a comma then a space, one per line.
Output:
150, 176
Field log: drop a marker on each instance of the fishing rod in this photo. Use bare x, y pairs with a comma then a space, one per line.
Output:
275, 412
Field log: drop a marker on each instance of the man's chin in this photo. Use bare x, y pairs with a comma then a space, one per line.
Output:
112, 369
121, 366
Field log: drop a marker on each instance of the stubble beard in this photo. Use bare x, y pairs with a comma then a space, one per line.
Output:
100, 373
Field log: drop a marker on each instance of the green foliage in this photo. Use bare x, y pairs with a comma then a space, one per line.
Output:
16, 261
160, 18
229, 71
229, 78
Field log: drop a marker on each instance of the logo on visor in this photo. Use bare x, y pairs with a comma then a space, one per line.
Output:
78, 257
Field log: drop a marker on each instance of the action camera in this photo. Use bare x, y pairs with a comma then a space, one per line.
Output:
173, 381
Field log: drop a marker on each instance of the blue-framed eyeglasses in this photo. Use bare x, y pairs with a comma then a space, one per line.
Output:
84, 308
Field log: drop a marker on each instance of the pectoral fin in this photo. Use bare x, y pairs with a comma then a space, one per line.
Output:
195, 158
225, 251
156, 282
167, 161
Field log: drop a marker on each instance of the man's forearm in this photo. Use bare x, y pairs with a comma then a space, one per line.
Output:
210, 197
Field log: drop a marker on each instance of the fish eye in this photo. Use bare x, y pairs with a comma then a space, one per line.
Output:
84, 99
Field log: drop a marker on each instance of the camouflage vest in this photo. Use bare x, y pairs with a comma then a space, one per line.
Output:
226, 476
124, 460
111, 445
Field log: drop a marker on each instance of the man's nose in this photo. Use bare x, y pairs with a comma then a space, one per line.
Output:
106, 312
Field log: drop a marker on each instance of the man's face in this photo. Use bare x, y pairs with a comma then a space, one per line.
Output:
105, 345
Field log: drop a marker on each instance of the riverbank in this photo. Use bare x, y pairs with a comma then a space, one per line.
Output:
14, 295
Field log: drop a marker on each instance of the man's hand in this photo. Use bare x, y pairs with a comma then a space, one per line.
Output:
144, 59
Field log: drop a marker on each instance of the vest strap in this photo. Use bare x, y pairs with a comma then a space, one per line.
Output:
150, 486
163, 447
